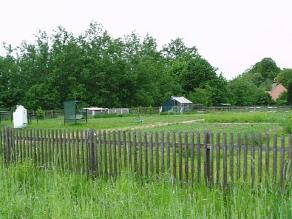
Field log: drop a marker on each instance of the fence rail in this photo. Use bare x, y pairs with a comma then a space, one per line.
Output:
183, 157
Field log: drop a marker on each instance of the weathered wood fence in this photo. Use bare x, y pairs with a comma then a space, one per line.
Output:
183, 157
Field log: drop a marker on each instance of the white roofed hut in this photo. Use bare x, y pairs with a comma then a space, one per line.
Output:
96, 110
177, 105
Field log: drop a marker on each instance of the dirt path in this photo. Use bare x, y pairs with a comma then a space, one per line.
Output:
158, 124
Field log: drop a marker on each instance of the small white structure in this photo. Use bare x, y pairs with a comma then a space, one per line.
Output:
99, 110
20, 117
96, 110
118, 111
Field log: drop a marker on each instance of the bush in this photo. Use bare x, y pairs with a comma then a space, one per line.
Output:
282, 100
40, 113
288, 125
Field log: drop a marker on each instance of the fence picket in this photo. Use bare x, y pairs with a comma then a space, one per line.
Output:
231, 157
174, 156
105, 153
211, 158
282, 162
245, 157
253, 159
186, 156
218, 148
68, 142
192, 158
83, 155
224, 160
46, 141
267, 154
135, 153
207, 157
162, 153
141, 154
63, 148
125, 149
99, 153
19, 138
50, 145
74, 150
146, 153
180, 156
238, 164
260, 157
168, 152
130, 150
157, 152
120, 152
77, 147
115, 153
275, 152
198, 158
151, 154
110, 153
52, 150
16, 145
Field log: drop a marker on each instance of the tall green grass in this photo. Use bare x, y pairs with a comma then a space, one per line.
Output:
27, 192
247, 117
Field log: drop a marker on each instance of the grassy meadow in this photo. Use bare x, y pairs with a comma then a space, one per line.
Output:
216, 121
30, 192
27, 192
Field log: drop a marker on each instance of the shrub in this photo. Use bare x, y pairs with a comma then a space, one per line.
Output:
287, 125
40, 113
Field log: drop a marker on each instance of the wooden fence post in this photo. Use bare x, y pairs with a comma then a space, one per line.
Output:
92, 149
7, 146
224, 160
207, 159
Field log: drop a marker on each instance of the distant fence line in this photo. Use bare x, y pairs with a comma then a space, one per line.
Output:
7, 115
183, 157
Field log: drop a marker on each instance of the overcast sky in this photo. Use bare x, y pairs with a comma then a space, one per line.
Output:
231, 34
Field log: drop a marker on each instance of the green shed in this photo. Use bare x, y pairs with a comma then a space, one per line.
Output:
73, 112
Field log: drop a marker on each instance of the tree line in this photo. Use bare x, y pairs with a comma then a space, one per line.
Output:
131, 71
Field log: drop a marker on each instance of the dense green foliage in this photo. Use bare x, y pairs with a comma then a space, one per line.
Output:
122, 72
104, 71
250, 87
289, 93
285, 76
27, 192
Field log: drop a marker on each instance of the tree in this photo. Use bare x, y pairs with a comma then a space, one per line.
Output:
263, 73
285, 76
243, 92
289, 93
282, 100
202, 96
119, 72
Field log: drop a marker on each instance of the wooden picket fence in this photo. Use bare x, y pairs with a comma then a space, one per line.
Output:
180, 157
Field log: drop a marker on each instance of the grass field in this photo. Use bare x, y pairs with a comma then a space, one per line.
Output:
222, 127
27, 192
219, 121
111, 122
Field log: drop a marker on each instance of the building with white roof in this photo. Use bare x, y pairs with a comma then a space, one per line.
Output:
177, 104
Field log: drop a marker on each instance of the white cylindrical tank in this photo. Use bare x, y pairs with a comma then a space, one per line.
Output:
20, 117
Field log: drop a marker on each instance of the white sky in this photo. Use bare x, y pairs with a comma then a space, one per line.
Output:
231, 34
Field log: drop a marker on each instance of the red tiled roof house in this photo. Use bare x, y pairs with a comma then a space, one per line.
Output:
277, 91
